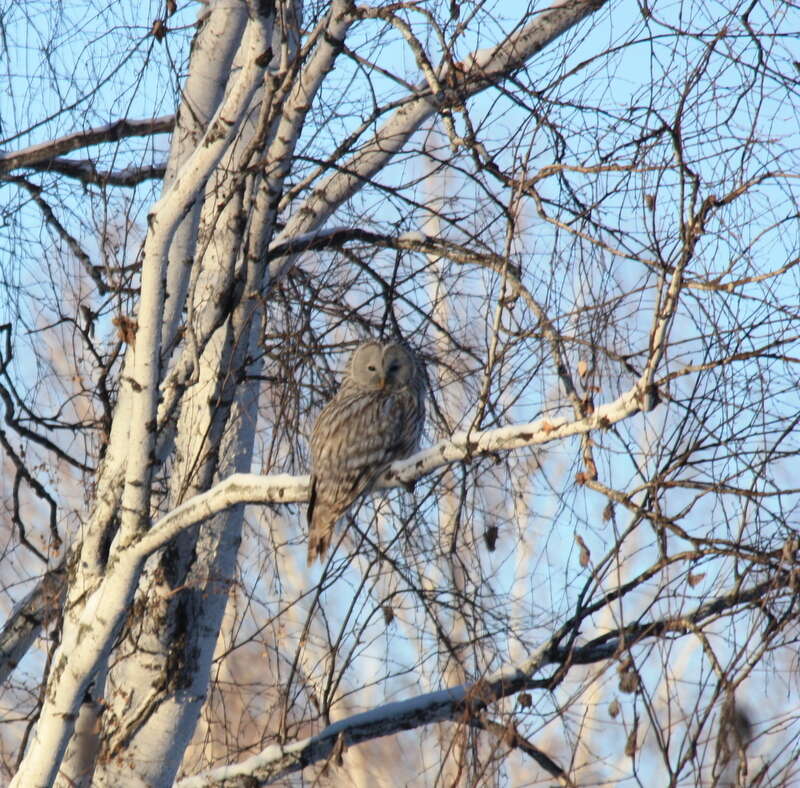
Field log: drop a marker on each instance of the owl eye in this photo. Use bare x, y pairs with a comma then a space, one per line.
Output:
371, 367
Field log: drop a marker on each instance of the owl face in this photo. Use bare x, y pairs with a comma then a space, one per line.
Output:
375, 366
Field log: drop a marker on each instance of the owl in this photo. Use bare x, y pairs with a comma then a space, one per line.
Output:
375, 417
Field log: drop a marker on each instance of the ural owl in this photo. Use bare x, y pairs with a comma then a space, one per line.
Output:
375, 417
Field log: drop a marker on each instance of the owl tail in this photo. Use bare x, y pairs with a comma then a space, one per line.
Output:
321, 520
318, 542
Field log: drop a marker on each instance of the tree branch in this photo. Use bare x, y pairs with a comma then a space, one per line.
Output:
465, 702
112, 132
243, 488
476, 72
509, 735
461, 447
27, 618
94, 271
85, 170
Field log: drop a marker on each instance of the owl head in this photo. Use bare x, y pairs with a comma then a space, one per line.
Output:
377, 366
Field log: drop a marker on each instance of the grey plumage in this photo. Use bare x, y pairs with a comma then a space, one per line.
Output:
375, 417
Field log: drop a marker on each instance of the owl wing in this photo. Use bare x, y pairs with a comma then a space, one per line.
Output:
347, 454
356, 436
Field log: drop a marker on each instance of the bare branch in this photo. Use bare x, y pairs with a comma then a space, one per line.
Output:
39, 155
479, 70
85, 171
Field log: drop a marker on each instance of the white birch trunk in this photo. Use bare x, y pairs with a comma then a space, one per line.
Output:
71, 676
213, 52
174, 654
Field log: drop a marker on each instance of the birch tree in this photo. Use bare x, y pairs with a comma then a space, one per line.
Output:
583, 217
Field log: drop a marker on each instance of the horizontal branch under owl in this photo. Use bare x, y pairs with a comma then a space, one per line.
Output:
243, 488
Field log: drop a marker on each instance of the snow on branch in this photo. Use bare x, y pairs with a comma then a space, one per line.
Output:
464, 702
243, 488
452, 703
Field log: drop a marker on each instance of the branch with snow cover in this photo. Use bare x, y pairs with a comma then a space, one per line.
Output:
243, 488
464, 702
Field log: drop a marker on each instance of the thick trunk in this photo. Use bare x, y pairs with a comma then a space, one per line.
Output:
148, 726
158, 686
80, 654
213, 52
